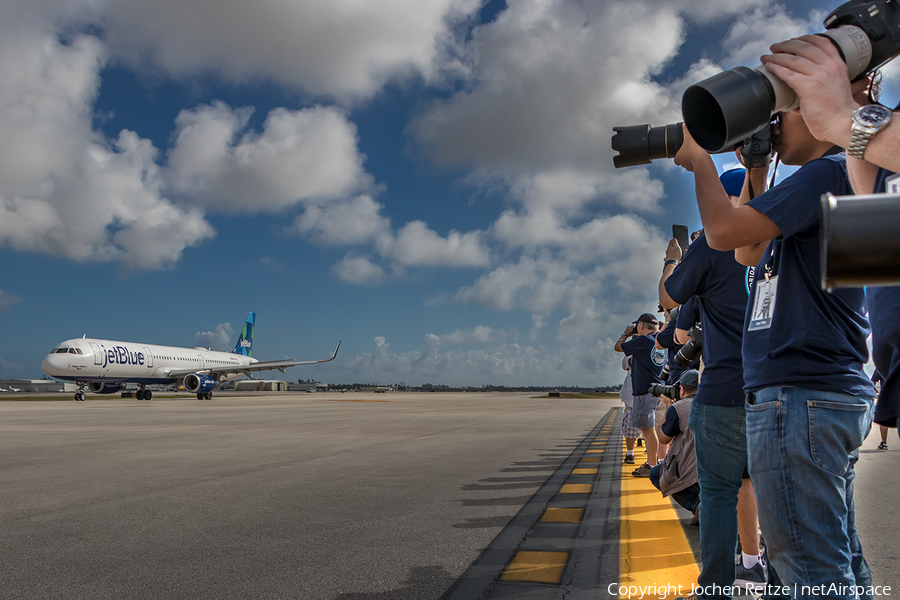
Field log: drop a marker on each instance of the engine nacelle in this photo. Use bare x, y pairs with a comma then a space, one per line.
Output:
199, 384
106, 388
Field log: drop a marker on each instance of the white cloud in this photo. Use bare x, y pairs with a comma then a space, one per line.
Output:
359, 270
341, 48
480, 334
66, 191
417, 245
8, 300
344, 222
302, 155
218, 339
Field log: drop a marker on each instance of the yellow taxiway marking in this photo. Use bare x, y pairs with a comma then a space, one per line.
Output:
653, 549
563, 515
576, 488
595, 451
590, 459
536, 567
585, 471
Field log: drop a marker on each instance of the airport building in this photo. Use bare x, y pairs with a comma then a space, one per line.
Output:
260, 385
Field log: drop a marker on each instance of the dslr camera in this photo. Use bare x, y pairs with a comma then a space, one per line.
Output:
672, 391
693, 349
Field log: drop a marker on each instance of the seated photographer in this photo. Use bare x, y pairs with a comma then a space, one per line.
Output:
818, 75
793, 378
645, 367
677, 475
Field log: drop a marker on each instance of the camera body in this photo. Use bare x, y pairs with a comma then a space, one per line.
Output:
726, 108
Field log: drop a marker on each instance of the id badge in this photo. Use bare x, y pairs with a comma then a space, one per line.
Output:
764, 304
892, 184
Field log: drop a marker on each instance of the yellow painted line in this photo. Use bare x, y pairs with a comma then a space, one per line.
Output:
585, 471
591, 459
536, 567
653, 549
576, 488
599, 443
595, 451
563, 515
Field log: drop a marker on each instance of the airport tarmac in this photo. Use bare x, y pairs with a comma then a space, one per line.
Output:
321, 496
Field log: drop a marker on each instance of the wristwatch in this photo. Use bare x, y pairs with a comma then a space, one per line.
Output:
867, 121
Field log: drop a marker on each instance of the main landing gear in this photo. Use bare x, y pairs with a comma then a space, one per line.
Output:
204, 396
142, 394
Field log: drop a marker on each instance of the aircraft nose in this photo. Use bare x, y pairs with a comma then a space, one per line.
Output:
51, 365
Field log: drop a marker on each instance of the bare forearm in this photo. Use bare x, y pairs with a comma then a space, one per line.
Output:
664, 299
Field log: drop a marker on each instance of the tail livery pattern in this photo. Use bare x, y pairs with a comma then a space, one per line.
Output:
245, 342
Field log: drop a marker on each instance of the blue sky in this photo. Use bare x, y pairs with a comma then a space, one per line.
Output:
430, 182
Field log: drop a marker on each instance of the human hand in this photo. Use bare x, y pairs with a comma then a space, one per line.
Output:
690, 154
630, 330
666, 400
814, 69
673, 250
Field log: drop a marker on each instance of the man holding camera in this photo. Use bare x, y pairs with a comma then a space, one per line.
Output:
677, 475
718, 283
808, 400
645, 367
831, 109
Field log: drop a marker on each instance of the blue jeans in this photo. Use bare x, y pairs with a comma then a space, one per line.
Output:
721, 444
803, 447
687, 498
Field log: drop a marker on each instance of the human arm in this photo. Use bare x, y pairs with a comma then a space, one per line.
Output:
749, 255
673, 252
727, 226
813, 68
671, 424
682, 336
629, 331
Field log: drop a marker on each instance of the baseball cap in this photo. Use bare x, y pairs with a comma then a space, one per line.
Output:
690, 379
733, 181
647, 318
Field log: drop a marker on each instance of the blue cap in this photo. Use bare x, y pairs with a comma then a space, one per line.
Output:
690, 379
733, 181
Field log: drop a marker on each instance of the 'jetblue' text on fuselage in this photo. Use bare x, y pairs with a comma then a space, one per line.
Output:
120, 355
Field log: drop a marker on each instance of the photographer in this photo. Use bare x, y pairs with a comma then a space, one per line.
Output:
802, 360
818, 75
718, 285
645, 369
677, 475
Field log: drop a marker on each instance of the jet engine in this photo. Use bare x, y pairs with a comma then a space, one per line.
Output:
106, 388
199, 384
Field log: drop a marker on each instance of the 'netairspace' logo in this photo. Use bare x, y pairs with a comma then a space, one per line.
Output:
120, 355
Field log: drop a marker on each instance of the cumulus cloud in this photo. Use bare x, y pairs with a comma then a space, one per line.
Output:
301, 155
359, 270
218, 339
8, 300
66, 191
344, 222
342, 49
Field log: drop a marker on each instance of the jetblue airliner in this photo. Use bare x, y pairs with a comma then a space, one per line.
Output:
105, 367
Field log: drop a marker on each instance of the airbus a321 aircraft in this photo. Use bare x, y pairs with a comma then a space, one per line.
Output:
106, 367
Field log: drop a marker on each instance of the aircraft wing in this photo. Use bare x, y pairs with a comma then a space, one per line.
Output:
267, 365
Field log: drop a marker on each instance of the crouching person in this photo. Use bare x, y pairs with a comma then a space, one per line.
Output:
676, 476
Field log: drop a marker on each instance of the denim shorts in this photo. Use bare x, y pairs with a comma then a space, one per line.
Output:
643, 413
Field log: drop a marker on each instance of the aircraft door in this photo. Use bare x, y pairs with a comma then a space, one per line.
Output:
148, 357
202, 363
98, 356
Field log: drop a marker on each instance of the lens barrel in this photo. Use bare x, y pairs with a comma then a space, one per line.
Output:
640, 144
859, 244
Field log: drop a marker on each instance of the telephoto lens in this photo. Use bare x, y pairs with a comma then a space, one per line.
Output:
859, 244
692, 350
672, 391
640, 144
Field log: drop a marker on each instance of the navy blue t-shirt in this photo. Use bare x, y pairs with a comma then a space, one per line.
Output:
672, 425
815, 340
666, 339
647, 362
884, 314
719, 284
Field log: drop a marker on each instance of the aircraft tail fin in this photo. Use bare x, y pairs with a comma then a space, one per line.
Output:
245, 342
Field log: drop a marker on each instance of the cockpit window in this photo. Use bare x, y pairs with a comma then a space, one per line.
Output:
72, 351
62, 350
78, 350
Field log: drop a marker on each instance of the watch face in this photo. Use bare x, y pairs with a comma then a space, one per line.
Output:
873, 115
